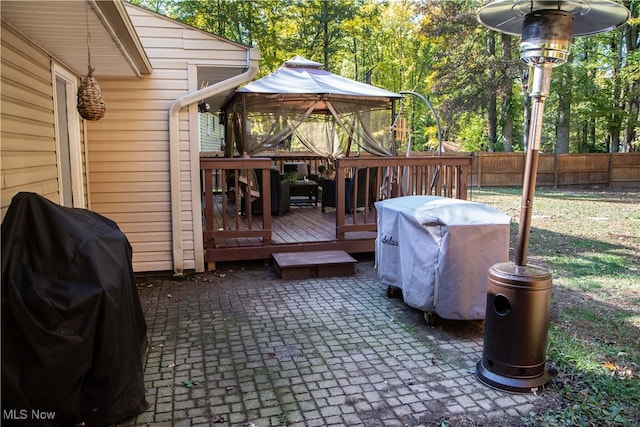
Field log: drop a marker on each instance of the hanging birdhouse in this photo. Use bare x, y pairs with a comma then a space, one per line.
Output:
91, 104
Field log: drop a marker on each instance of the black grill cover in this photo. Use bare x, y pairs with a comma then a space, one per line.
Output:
73, 332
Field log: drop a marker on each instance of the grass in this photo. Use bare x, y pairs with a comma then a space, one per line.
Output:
590, 242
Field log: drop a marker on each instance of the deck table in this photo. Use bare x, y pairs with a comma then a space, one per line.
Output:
303, 193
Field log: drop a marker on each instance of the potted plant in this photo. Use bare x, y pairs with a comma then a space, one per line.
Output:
325, 172
292, 177
322, 170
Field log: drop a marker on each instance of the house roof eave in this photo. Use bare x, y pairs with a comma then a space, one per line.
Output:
67, 30
117, 16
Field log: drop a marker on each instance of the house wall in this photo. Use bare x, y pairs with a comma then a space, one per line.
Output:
211, 132
128, 150
28, 155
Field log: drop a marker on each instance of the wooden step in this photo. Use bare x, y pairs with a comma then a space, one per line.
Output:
303, 265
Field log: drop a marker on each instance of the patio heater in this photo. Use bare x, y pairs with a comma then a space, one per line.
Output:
519, 294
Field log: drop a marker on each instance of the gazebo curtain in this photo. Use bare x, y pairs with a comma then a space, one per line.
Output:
368, 126
328, 127
319, 134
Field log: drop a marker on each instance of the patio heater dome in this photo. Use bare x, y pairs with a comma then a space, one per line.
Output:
547, 26
518, 295
591, 16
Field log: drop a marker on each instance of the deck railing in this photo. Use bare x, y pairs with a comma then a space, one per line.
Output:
388, 177
227, 195
225, 183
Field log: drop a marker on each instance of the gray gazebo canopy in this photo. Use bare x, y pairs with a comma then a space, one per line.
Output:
325, 112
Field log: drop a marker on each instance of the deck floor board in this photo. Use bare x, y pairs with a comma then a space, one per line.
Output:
301, 224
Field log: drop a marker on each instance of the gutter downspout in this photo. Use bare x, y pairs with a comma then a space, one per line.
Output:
174, 150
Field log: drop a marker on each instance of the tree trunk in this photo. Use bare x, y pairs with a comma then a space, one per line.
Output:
632, 122
617, 106
507, 116
492, 105
355, 58
325, 28
591, 135
507, 130
615, 139
584, 145
563, 119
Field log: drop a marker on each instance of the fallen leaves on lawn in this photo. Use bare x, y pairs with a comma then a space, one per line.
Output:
618, 370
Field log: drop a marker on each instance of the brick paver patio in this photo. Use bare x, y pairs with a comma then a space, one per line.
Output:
240, 347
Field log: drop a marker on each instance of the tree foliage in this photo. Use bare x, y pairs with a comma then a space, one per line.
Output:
471, 75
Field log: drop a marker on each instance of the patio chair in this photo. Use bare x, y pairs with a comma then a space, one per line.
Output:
300, 168
279, 194
329, 193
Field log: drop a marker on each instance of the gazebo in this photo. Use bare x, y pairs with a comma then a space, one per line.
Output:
328, 114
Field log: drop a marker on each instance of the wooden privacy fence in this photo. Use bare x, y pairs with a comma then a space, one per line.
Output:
614, 170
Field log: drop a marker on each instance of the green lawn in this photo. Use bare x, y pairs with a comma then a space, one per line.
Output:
590, 242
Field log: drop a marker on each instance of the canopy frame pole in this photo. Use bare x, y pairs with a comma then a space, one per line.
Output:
433, 111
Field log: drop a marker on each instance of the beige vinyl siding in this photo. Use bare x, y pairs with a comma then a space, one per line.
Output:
211, 132
128, 150
28, 153
129, 171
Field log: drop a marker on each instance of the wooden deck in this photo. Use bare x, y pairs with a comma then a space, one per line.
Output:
302, 228
230, 235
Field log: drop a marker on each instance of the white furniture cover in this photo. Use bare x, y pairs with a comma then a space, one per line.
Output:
439, 250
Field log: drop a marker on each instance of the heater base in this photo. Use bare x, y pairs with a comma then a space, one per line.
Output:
518, 385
